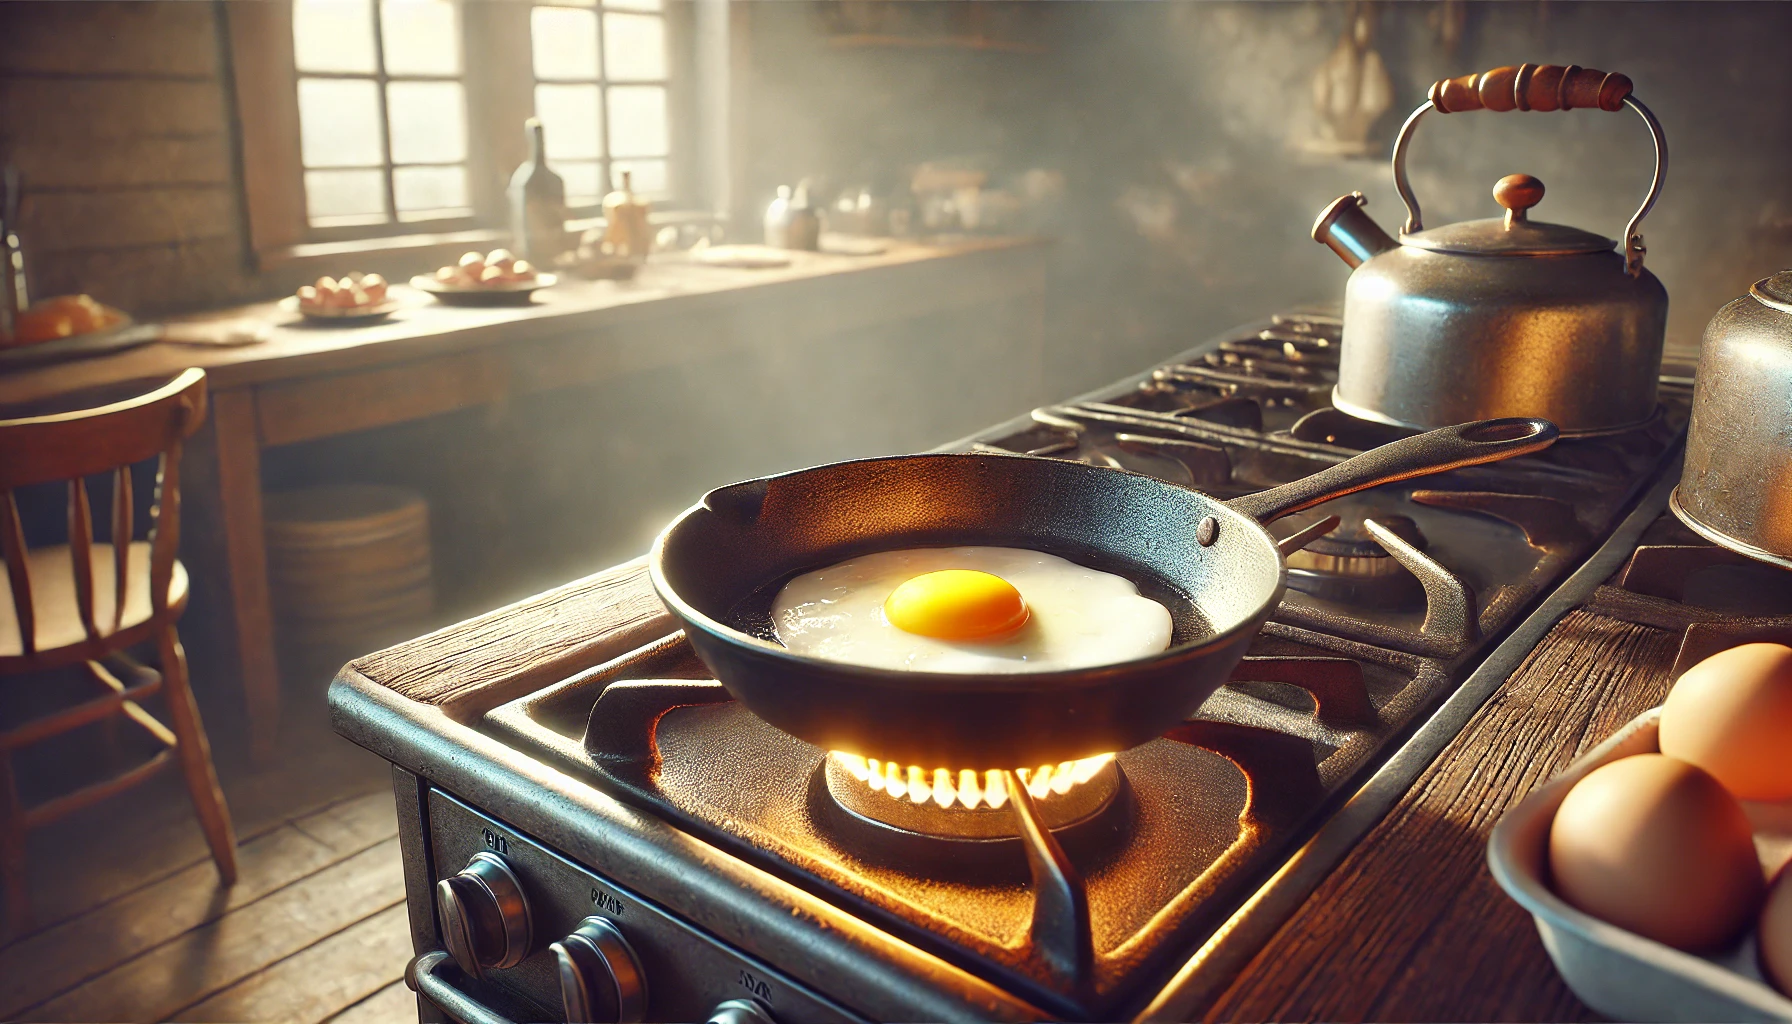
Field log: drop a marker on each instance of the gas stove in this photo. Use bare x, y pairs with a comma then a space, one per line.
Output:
1118, 886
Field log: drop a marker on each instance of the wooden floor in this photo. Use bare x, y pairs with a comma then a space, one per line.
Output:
130, 923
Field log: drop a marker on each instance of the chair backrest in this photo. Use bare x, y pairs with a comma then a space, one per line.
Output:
72, 446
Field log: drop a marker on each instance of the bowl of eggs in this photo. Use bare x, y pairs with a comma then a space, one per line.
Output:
1656, 865
484, 279
349, 298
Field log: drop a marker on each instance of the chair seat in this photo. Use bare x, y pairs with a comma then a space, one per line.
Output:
58, 612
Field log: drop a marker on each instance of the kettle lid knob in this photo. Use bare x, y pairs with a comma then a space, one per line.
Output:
1517, 193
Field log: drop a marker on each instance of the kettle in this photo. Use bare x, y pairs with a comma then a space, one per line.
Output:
1506, 316
1736, 489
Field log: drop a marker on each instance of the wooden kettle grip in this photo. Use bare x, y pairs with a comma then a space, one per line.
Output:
1531, 87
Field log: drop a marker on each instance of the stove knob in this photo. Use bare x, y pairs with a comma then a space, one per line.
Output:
483, 915
600, 977
740, 1011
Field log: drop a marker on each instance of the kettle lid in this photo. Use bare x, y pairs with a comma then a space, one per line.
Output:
1491, 237
1513, 235
1775, 291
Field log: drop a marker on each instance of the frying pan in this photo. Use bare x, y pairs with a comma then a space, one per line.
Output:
719, 565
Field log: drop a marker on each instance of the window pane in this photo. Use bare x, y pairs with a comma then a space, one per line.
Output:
429, 122
635, 46
345, 197
647, 177
332, 35
422, 37
638, 5
428, 192
565, 42
570, 121
638, 121
339, 122
584, 183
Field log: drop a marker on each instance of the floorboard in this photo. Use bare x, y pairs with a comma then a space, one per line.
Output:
313, 984
390, 1005
118, 846
56, 959
211, 958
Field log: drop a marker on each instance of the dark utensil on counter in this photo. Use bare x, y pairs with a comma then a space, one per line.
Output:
1505, 316
720, 564
1737, 487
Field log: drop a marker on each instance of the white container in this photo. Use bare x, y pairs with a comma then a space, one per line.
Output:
1617, 972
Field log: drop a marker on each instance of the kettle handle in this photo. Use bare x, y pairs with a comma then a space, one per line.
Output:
1531, 87
1536, 87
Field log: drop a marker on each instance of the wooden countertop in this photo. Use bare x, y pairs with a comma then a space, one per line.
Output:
1411, 925
297, 348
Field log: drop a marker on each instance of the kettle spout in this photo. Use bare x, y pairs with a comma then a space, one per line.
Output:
1350, 232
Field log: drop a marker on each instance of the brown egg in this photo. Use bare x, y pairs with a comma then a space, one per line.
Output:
1731, 715
1657, 846
1776, 933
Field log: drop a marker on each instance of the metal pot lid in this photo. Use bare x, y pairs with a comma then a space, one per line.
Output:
1493, 237
1515, 234
1775, 291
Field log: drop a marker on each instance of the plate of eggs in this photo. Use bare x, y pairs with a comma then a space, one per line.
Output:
484, 279
351, 297
1656, 866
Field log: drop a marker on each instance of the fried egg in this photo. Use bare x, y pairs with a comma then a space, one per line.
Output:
968, 609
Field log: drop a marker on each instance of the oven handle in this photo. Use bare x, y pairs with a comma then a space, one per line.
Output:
421, 976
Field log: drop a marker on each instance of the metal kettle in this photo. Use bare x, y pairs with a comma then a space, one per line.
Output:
1506, 316
1736, 489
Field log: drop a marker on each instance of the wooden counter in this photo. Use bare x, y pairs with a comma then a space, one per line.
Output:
307, 382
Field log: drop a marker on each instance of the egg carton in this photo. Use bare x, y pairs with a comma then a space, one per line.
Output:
1618, 972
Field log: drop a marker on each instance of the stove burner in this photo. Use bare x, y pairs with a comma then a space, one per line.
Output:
968, 805
1349, 565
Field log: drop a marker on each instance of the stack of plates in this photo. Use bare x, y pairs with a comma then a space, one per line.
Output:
349, 564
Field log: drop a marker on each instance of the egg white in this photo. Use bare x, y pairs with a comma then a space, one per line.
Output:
1080, 616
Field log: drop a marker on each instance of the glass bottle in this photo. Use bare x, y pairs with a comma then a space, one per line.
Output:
537, 204
625, 219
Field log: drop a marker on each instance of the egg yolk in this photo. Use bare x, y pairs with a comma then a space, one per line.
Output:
956, 604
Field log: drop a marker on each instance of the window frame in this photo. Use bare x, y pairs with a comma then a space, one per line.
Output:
605, 83
500, 95
382, 78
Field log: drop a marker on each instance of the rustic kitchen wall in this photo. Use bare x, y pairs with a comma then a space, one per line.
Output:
1182, 128
117, 115
1195, 162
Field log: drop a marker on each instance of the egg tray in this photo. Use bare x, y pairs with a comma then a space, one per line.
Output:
1617, 972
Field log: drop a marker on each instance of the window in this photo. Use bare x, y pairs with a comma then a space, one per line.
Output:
382, 111
388, 125
601, 93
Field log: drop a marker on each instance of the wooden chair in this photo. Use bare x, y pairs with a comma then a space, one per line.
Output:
84, 604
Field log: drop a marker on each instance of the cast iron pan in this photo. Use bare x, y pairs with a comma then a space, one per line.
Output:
719, 565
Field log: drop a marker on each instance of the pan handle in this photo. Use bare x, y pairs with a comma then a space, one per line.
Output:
1435, 451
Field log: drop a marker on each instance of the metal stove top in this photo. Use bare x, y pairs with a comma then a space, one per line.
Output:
1385, 617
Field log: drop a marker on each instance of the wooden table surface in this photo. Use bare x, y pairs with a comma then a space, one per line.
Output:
306, 382
1410, 926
